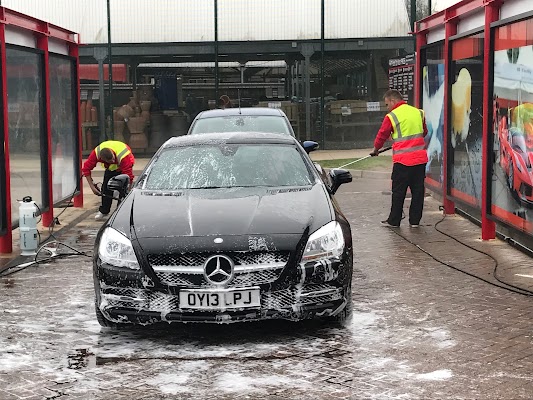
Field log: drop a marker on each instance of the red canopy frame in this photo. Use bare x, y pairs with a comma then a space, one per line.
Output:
447, 20
42, 31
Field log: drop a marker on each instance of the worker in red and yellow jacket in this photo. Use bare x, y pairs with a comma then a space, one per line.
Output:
116, 157
406, 126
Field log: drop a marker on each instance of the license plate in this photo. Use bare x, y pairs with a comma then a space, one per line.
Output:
202, 299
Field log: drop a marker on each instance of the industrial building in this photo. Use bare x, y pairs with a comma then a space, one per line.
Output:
275, 53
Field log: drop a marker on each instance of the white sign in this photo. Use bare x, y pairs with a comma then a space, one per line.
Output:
275, 104
346, 110
514, 72
373, 106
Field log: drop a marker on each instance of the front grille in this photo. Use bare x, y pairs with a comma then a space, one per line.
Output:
173, 279
140, 298
251, 268
526, 189
286, 298
255, 278
199, 259
241, 279
275, 300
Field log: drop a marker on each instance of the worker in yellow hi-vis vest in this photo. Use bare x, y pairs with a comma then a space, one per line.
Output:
406, 126
116, 157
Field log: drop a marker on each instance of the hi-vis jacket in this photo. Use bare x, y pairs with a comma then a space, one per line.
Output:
124, 159
406, 126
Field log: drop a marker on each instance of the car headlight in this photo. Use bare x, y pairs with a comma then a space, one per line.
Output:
327, 242
116, 249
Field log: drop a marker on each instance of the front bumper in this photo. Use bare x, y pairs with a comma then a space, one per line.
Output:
312, 290
140, 306
526, 193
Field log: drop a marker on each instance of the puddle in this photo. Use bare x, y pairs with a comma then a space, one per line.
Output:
84, 237
80, 359
9, 283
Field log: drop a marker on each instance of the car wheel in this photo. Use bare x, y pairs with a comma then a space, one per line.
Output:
510, 176
102, 320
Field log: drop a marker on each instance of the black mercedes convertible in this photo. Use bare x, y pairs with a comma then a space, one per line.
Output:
225, 228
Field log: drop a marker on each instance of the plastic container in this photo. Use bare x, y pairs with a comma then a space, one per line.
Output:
28, 226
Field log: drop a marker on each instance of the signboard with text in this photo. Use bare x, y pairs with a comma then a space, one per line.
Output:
402, 76
373, 106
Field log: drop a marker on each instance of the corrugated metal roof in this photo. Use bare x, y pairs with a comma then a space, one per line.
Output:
147, 21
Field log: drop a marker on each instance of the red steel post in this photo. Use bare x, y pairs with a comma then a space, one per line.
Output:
450, 29
421, 40
74, 52
488, 227
6, 240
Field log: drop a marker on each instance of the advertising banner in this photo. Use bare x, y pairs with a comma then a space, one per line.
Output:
512, 172
433, 106
466, 119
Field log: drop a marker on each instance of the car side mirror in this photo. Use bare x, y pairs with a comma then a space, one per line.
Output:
339, 177
119, 183
310, 146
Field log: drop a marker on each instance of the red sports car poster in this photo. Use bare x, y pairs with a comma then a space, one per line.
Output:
512, 179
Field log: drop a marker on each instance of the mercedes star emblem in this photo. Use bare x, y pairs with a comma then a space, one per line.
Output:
218, 269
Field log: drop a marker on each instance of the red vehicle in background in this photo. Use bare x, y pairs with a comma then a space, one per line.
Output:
516, 155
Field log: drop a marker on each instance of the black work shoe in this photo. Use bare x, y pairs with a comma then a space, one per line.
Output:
387, 223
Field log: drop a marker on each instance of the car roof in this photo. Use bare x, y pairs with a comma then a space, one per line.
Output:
230, 138
240, 111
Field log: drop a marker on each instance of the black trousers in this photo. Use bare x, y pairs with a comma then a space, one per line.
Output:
404, 177
105, 208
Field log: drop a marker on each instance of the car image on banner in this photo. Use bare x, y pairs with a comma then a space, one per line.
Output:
512, 180
226, 227
516, 158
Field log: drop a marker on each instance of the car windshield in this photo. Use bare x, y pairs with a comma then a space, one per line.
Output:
242, 123
518, 142
228, 165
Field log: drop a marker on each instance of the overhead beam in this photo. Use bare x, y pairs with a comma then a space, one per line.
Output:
271, 50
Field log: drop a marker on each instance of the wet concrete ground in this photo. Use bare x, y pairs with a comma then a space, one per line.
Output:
419, 329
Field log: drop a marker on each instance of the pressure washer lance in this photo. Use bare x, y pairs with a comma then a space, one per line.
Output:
364, 158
